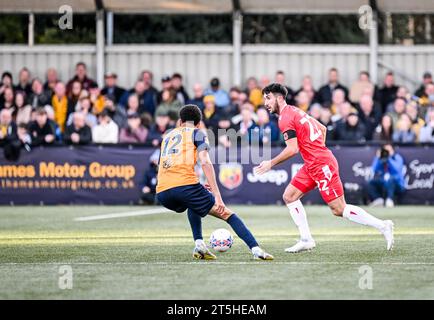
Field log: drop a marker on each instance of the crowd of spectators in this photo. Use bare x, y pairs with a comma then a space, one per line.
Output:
50, 111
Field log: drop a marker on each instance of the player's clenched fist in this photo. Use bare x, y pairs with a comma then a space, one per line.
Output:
263, 167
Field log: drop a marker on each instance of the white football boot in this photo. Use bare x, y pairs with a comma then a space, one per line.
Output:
388, 233
302, 245
260, 254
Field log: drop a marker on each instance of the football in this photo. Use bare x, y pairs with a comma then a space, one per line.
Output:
221, 240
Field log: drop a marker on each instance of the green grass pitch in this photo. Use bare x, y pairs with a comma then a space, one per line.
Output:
149, 257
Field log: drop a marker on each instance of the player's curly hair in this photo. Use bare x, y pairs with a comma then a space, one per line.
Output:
275, 88
190, 113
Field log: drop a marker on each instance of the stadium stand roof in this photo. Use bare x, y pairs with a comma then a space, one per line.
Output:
220, 6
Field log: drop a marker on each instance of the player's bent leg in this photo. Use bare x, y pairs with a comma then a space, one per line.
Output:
242, 231
356, 214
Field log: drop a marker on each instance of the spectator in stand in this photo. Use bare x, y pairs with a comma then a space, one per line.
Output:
267, 131
150, 179
62, 107
111, 89
24, 82
181, 94
84, 105
23, 111
148, 99
24, 136
39, 97
403, 93
351, 129
412, 109
166, 84
403, 132
254, 92
427, 79
427, 132
303, 101
223, 122
42, 130
170, 105
135, 132
388, 181
427, 100
326, 120
81, 76
6, 82
51, 81
315, 111
74, 94
106, 131
238, 117
210, 114
116, 112
359, 86
264, 81
369, 115
8, 98
338, 99
247, 126
234, 95
325, 93
78, 132
384, 130
158, 129
387, 93
197, 96
221, 97
97, 100
8, 128
281, 79
398, 109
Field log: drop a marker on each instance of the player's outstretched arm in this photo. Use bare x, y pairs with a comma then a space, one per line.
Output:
208, 170
290, 150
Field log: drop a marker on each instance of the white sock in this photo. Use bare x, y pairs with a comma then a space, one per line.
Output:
358, 215
298, 214
199, 243
256, 250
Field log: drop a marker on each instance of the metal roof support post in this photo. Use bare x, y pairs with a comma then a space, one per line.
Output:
109, 27
31, 30
100, 48
237, 30
373, 47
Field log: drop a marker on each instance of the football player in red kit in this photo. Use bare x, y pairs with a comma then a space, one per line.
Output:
306, 135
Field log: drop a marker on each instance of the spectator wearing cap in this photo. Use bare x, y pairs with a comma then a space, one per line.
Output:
42, 129
78, 132
387, 93
325, 93
39, 96
426, 79
181, 94
358, 87
166, 84
82, 77
111, 89
61, 106
369, 115
351, 129
24, 82
404, 132
170, 104
281, 79
221, 97
22, 110
427, 132
197, 96
158, 129
135, 132
106, 131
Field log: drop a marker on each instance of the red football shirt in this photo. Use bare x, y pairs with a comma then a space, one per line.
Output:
309, 137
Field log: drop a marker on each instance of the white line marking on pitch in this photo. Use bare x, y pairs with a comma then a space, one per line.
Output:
156, 263
124, 214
